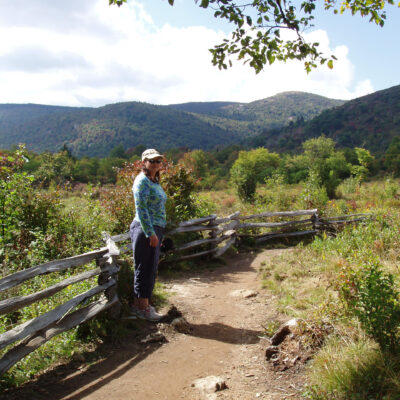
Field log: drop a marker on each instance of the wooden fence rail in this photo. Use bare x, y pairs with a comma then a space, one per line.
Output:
212, 235
37, 331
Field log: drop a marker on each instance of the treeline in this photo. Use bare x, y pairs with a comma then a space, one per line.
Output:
61, 167
212, 169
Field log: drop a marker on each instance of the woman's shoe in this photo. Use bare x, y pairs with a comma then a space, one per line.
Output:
149, 314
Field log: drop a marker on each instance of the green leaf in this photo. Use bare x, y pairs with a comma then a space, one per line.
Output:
330, 64
204, 3
171, 2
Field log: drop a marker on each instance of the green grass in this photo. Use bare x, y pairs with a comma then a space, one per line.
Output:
305, 283
353, 369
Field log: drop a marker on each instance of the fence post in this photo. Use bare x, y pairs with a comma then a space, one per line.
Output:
212, 235
110, 259
315, 221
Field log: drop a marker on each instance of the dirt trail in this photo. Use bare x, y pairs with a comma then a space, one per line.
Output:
224, 341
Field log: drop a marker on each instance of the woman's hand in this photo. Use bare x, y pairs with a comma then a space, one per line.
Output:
153, 240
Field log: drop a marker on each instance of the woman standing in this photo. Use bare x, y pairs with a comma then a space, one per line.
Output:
146, 232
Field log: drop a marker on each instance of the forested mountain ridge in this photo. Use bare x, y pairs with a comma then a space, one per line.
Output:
12, 115
371, 121
95, 131
273, 111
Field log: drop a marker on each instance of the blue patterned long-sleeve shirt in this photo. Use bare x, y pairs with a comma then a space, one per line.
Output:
150, 201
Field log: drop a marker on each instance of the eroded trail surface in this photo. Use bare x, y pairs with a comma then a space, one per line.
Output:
226, 310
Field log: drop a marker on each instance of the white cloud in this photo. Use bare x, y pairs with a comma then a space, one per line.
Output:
87, 53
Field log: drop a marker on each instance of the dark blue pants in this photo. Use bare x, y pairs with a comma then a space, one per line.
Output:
146, 260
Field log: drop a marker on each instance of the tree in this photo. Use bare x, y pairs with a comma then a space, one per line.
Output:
54, 167
197, 161
258, 24
325, 162
250, 168
392, 156
118, 152
364, 159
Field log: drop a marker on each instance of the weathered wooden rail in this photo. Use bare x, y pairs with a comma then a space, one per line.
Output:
214, 236
39, 330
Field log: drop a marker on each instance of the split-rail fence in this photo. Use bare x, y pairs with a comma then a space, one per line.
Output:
212, 235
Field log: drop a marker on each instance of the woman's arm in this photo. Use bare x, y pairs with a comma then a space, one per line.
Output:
141, 193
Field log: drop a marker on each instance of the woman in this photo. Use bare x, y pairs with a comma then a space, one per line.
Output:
146, 232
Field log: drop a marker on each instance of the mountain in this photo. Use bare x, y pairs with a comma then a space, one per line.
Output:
95, 131
370, 121
12, 115
272, 112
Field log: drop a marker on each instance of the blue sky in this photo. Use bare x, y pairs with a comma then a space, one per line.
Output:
85, 53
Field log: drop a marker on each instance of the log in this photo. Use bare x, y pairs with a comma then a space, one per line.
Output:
232, 225
203, 253
111, 246
200, 242
194, 228
273, 224
52, 266
290, 234
196, 243
281, 214
197, 221
70, 321
222, 250
189, 256
121, 237
284, 231
343, 221
15, 303
32, 326
228, 218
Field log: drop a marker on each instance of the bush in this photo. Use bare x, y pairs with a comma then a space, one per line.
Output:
177, 182
324, 161
371, 295
314, 195
252, 167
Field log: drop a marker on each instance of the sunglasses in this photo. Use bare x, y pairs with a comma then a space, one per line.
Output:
155, 161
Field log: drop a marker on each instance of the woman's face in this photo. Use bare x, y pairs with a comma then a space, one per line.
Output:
153, 165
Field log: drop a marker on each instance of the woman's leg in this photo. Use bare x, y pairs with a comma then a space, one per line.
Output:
160, 234
144, 259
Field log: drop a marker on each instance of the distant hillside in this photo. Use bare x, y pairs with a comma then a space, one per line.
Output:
370, 121
274, 111
95, 131
13, 115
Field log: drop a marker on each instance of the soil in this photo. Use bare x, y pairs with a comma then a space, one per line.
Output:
226, 310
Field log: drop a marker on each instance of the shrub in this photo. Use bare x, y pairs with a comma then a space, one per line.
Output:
349, 186
177, 182
250, 168
314, 195
371, 295
324, 161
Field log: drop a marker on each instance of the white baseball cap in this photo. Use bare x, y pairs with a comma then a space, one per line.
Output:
149, 154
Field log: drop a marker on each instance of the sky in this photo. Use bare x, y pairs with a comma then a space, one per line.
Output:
86, 53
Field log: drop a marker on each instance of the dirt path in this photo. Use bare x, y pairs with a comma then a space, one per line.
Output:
224, 341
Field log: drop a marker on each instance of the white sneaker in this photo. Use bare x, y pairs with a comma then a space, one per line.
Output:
149, 314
